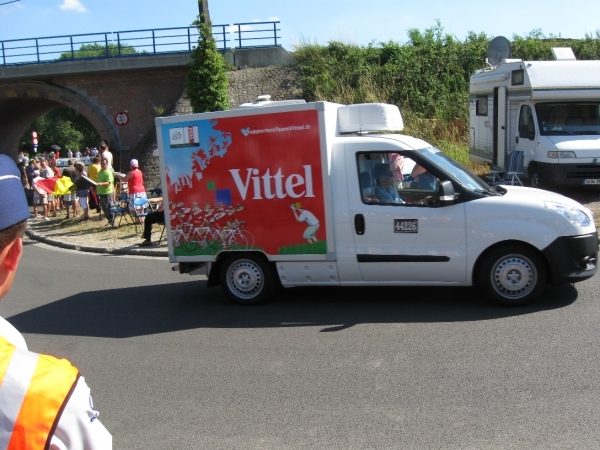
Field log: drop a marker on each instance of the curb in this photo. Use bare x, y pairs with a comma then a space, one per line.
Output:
84, 248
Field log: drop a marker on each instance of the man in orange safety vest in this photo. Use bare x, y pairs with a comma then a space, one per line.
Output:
44, 402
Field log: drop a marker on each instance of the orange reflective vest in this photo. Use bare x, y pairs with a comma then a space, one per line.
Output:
33, 392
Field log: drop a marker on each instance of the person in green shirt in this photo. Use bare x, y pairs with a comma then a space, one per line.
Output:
105, 191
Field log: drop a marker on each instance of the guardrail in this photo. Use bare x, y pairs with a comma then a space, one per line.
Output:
117, 44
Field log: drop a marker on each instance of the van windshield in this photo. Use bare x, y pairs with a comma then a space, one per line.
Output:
568, 118
455, 169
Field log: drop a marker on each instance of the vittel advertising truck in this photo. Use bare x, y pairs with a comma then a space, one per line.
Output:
322, 194
549, 110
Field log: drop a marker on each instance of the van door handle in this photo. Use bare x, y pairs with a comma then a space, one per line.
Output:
359, 224
517, 139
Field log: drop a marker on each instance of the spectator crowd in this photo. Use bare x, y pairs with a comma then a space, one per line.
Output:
94, 187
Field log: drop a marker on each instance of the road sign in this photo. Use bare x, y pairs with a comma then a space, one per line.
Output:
122, 118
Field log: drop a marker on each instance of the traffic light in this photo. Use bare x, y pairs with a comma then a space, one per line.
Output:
34, 140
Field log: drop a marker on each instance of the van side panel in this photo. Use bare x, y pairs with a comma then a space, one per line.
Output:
244, 182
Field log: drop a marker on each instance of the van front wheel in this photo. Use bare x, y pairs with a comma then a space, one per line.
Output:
513, 275
248, 279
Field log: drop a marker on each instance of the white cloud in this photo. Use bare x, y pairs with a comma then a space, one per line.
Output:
72, 5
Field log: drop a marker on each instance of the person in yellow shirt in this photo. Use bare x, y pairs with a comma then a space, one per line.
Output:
93, 169
92, 174
44, 401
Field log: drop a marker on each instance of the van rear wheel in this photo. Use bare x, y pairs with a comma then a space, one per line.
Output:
248, 279
513, 275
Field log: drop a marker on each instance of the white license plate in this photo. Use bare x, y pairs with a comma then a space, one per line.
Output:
591, 181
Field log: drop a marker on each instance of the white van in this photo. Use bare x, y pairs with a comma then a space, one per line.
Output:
322, 194
549, 110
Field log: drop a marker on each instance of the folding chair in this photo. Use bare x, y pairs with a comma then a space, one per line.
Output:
141, 207
514, 170
162, 233
121, 208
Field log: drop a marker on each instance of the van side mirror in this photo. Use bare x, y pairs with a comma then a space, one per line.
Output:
446, 192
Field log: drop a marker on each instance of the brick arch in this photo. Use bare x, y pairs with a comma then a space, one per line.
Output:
21, 103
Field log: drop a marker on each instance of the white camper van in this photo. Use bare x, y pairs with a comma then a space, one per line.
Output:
549, 110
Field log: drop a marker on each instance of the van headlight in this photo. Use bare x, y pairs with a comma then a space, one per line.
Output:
576, 216
562, 155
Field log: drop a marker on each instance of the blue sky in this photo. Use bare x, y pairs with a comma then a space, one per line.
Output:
321, 21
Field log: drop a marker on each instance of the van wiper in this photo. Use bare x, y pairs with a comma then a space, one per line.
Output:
489, 192
587, 132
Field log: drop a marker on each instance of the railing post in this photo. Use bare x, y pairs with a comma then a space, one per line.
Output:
153, 43
119, 44
72, 51
106, 43
3, 56
37, 49
239, 36
224, 38
189, 39
275, 32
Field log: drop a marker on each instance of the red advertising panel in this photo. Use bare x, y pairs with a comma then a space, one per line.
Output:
243, 183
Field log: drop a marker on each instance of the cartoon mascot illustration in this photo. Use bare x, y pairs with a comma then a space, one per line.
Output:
303, 215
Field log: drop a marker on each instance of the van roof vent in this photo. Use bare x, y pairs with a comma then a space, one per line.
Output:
563, 54
365, 117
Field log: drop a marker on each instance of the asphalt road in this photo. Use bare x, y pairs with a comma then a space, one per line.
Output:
172, 365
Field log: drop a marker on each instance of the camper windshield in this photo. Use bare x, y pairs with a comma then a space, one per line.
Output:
564, 119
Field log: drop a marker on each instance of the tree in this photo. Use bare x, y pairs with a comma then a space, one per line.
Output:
63, 127
206, 82
99, 51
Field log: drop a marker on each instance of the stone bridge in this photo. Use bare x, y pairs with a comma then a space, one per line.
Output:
140, 86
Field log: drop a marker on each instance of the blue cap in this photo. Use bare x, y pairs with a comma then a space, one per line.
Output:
13, 203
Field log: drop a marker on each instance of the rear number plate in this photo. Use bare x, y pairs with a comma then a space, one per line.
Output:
591, 181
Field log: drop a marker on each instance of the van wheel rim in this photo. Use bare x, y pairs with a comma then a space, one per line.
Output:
245, 279
514, 277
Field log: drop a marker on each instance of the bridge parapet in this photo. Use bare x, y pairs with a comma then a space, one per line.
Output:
128, 44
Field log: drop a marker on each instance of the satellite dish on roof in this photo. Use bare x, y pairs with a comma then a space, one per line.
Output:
498, 50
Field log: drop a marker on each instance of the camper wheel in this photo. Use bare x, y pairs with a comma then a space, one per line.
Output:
535, 178
248, 279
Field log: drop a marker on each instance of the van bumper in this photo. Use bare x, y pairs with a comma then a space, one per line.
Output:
572, 258
568, 174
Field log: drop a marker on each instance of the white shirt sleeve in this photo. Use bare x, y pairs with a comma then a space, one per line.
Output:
79, 427
11, 334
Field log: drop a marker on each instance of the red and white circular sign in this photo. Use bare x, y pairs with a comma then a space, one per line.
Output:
121, 118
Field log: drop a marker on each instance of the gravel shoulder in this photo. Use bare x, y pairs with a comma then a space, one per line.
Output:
93, 232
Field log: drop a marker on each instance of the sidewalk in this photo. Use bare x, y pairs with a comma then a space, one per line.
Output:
93, 236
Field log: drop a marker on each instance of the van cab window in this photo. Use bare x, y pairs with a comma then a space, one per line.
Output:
526, 123
393, 178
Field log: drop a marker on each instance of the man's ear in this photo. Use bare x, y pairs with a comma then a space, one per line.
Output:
12, 254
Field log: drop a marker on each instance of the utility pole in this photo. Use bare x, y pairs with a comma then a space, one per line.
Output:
204, 14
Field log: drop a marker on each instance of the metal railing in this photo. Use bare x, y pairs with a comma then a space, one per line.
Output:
117, 44
249, 28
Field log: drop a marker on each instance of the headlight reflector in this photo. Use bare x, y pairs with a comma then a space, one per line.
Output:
554, 154
576, 216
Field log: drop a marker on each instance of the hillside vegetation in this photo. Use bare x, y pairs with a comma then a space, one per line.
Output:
427, 76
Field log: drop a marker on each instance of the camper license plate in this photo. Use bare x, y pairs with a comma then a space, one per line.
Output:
591, 181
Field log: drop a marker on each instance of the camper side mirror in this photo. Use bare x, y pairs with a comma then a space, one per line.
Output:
446, 192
